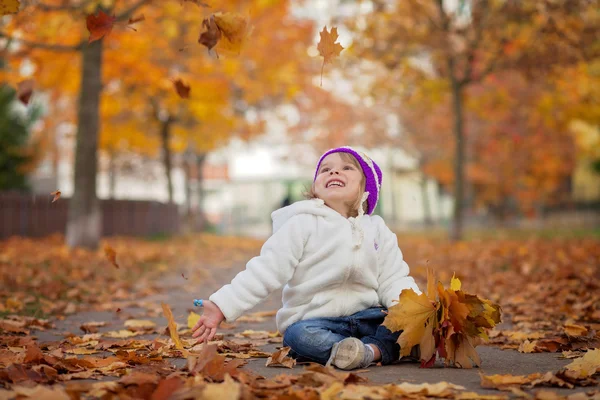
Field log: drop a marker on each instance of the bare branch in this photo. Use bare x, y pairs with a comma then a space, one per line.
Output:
43, 46
129, 12
65, 7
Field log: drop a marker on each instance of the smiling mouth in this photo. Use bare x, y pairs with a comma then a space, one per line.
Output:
333, 184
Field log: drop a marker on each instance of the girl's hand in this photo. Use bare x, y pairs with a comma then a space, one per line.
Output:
206, 327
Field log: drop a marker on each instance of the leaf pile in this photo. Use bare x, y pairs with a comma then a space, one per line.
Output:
42, 276
543, 285
448, 322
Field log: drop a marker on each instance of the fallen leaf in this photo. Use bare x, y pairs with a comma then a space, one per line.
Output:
182, 89
166, 388
587, 365
440, 389
503, 382
575, 330
139, 378
228, 390
135, 325
9, 6
111, 254
92, 326
33, 355
99, 25
42, 392
121, 334
25, 90
280, 359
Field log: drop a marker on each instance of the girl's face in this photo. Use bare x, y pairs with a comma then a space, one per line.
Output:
338, 181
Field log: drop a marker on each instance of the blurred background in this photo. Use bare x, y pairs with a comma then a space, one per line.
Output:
483, 114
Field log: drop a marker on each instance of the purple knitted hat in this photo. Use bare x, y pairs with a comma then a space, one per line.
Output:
370, 169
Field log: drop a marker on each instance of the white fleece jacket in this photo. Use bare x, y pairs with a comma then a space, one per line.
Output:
331, 266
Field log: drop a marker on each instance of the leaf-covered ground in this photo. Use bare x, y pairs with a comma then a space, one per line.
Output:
74, 325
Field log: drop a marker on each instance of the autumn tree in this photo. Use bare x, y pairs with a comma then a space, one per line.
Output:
84, 220
454, 45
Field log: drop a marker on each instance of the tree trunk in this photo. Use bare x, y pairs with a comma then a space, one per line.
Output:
201, 217
112, 175
425, 199
84, 225
165, 133
457, 111
189, 163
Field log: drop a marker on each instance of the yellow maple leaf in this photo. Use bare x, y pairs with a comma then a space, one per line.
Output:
9, 6
413, 313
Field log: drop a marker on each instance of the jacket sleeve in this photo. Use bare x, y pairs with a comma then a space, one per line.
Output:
393, 270
269, 271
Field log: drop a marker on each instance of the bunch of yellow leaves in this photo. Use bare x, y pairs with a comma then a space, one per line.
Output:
444, 322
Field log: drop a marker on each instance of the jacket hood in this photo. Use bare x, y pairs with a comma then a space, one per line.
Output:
312, 207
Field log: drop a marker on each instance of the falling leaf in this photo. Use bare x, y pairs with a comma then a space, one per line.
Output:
56, 195
99, 25
118, 310
183, 276
234, 28
280, 358
9, 6
212, 35
327, 46
172, 326
25, 90
182, 89
111, 254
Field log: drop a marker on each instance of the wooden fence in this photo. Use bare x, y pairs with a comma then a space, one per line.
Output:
36, 215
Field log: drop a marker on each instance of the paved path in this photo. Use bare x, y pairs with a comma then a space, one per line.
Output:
178, 293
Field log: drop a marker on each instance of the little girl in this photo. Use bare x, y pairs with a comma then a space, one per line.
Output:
338, 265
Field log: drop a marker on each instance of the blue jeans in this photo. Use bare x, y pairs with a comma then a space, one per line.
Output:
312, 339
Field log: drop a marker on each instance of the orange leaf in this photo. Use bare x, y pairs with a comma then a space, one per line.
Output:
212, 35
56, 195
9, 7
99, 25
327, 46
183, 90
172, 326
25, 90
111, 254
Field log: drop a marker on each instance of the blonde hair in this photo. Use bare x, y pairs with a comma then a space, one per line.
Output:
352, 205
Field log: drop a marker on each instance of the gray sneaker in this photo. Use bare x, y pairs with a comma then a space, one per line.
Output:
349, 353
